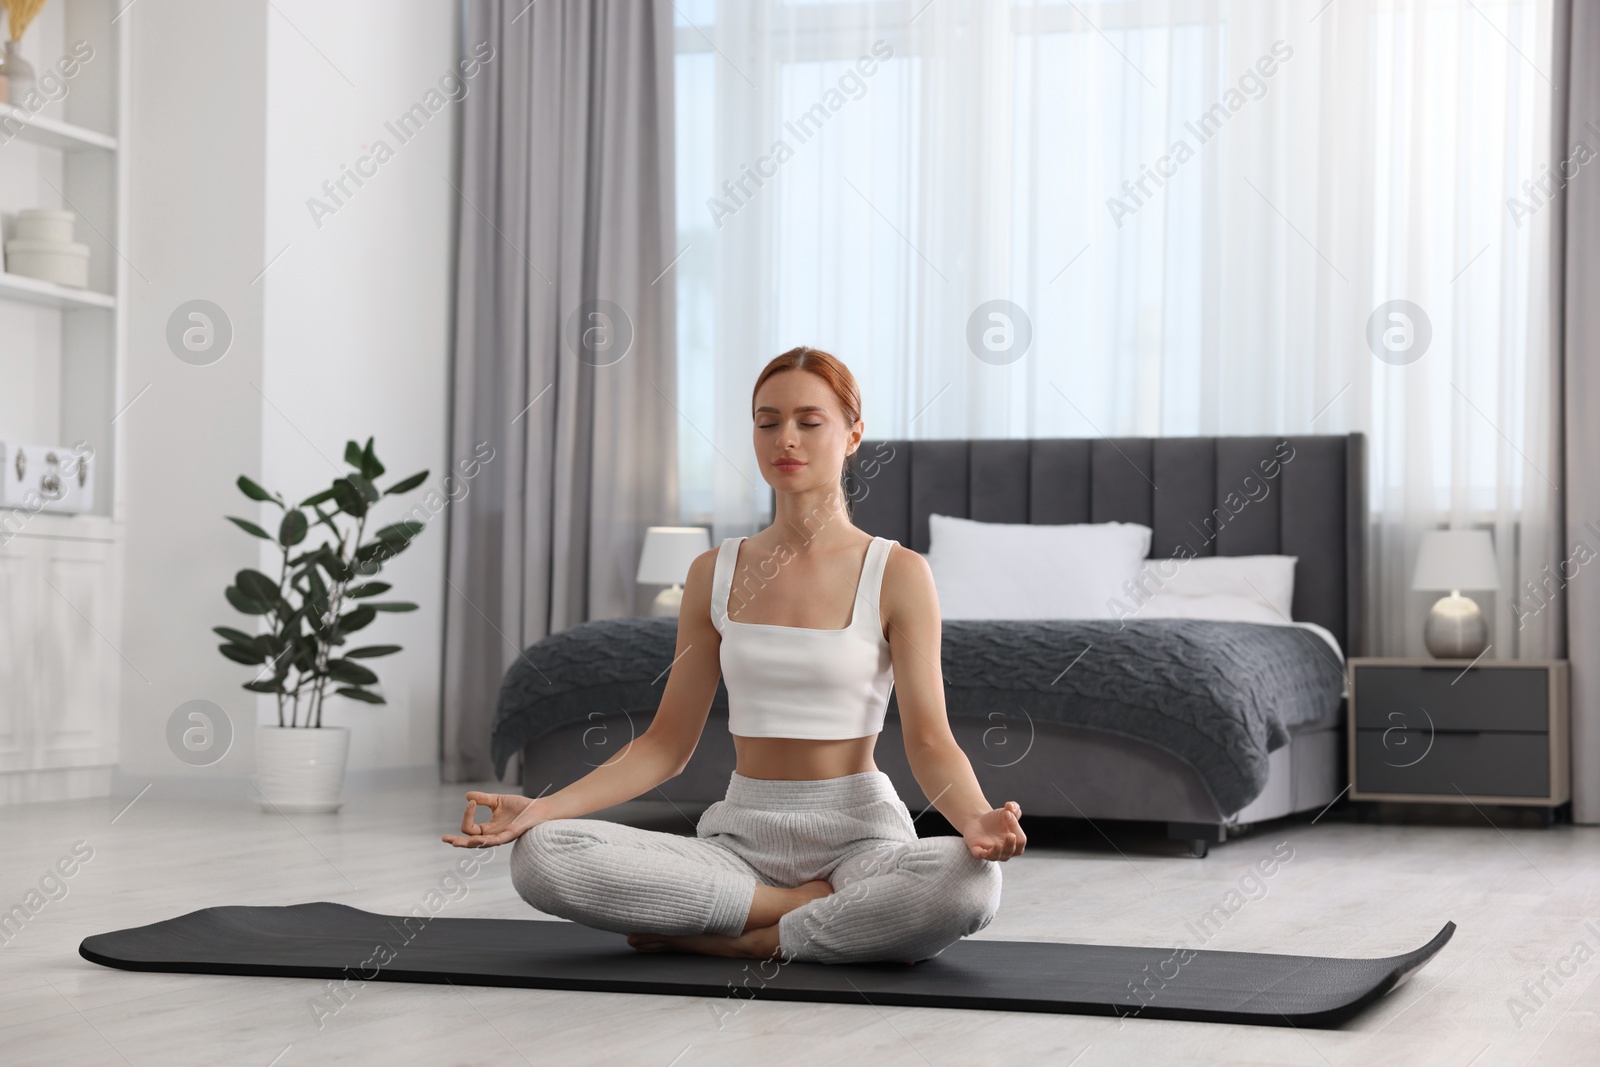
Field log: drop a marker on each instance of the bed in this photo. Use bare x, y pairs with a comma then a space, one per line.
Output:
1248, 725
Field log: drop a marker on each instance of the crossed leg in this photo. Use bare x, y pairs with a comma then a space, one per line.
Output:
895, 900
670, 892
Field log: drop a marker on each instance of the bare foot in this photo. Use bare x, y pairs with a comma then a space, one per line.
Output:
758, 944
772, 903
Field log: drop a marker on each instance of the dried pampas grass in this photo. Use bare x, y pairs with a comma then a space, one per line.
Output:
20, 13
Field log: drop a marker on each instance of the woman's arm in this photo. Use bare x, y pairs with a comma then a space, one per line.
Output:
910, 606
660, 753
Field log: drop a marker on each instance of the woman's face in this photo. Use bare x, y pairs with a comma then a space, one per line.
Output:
800, 435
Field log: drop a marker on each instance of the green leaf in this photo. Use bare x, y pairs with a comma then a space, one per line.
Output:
250, 528
265, 686
240, 655
317, 498
238, 637
360, 694
352, 454
270, 642
364, 484
254, 491
354, 673
355, 620
403, 530
369, 461
372, 652
380, 551
257, 586
335, 567
349, 498
395, 605
293, 528
244, 603
406, 485
356, 592
327, 520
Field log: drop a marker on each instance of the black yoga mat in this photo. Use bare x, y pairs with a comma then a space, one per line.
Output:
333, 941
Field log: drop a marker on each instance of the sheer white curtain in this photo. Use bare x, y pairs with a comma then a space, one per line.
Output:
1197, 207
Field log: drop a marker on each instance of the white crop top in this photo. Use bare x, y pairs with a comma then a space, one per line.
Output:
799, 681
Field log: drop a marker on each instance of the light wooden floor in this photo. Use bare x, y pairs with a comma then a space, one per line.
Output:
1521, 898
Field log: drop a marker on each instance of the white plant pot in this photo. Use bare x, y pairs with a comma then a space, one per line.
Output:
300, 770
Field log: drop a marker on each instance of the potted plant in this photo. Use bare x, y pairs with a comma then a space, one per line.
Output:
322, 595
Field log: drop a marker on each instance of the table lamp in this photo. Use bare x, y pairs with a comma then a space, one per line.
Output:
665, 559
1453, 560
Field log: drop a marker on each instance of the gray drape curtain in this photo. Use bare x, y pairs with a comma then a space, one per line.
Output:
1577, 118
564, 370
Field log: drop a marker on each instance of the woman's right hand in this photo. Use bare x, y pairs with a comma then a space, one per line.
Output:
510, 816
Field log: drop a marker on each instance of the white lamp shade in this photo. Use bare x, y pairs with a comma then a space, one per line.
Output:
668, 551
1456, 559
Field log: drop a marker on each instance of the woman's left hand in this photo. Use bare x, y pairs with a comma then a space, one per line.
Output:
996, 834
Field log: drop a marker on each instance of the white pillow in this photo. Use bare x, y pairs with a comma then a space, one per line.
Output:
1267, 580
998, 570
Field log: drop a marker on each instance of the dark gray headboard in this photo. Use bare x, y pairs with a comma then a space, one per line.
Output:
1301, 496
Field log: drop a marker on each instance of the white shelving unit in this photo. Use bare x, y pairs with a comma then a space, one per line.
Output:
18, 123
62, 380
51, 295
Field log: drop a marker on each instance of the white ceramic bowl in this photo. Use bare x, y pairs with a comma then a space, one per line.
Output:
44, 224
62, 262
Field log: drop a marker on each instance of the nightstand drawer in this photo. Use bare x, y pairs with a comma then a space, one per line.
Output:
1508, 700
1476, 764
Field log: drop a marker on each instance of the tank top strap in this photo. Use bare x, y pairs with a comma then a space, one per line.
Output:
870, 593
722, 580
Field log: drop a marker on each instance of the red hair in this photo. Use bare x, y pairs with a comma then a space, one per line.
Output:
824, 365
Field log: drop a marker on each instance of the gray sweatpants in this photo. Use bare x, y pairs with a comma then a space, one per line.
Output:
896, 897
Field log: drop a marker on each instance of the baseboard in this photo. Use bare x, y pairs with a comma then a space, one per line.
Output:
239, 787
54, 784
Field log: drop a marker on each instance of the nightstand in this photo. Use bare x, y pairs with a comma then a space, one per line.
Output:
1454, 731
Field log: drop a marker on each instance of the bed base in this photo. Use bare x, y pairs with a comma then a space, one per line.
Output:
1050, 770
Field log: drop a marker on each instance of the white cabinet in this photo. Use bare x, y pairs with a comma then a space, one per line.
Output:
63, 359
18, 576
59, 665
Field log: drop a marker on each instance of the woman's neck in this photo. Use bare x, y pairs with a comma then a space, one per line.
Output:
812, 519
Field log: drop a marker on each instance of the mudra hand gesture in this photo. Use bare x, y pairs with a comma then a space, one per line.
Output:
510, 816
996, 834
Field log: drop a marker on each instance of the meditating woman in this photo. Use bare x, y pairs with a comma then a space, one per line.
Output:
812, 855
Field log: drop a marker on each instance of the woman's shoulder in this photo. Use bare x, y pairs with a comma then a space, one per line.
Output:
907, 578
901, 559
703, 566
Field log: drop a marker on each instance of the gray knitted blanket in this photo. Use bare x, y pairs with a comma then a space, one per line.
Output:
1218, 695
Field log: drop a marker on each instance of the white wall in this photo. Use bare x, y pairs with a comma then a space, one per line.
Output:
196, 190
357, 309
241, 111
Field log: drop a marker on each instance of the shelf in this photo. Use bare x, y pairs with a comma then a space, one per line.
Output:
34, 291
16, 123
